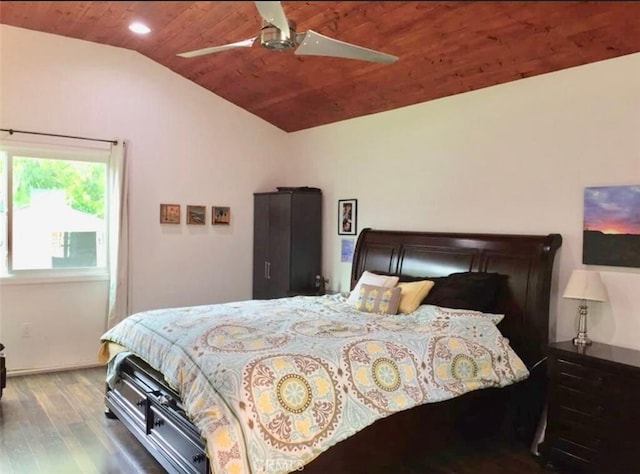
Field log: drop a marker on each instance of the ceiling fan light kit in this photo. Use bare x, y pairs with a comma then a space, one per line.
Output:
279, 33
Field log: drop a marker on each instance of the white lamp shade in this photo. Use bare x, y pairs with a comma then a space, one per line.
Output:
585, 285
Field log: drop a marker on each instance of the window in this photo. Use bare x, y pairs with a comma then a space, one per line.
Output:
53, 209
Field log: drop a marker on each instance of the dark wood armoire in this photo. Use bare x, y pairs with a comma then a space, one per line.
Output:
287, 243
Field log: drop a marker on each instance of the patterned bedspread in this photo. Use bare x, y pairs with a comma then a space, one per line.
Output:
271, 384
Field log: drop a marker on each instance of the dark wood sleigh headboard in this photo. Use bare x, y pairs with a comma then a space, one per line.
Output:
525, 260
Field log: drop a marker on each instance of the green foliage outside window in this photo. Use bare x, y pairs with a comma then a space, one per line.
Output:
84, 182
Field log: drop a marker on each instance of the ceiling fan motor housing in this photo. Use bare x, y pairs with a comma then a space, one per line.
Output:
272, 37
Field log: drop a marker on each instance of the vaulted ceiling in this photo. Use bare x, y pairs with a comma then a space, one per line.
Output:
444, 48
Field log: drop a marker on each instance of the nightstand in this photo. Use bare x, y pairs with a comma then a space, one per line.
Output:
594, 408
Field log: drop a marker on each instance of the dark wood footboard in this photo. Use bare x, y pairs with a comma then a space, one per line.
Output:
153, 413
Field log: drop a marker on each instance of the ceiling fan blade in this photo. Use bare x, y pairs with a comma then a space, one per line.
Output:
216, 49
273, 13
315, 44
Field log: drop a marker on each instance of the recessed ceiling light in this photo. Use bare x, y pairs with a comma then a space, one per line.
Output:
139, 28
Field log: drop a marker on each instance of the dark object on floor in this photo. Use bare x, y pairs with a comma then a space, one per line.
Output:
3, 371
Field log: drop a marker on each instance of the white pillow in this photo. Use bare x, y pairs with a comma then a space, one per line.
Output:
368, 278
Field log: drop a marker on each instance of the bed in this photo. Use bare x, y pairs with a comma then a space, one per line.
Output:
161, 416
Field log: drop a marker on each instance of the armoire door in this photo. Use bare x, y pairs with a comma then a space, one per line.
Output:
260, 246
271, 245
278, 269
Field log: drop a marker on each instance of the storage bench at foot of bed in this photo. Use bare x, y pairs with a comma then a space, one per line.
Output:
154, 414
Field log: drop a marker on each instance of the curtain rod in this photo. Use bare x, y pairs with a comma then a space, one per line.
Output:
12, 131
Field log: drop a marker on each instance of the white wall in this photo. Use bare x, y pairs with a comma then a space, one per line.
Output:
64, 319
513, 158
186, 146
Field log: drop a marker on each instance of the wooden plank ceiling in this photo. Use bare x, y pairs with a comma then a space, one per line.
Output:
445, 48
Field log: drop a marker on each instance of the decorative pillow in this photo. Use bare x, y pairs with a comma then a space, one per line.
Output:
466, 290
412, 294
378, 299
368, 278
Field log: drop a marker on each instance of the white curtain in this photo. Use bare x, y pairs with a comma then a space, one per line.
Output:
118, 235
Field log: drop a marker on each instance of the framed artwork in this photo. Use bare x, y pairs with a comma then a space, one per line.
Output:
195, 215
347, 216
220, 215
611, 230
169, 213
346, 250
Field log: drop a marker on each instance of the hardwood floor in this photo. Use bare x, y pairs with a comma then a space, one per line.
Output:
54, 423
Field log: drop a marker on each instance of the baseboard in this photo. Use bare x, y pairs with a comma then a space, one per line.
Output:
46, 370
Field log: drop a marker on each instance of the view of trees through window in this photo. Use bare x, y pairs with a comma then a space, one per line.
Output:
58, 212
83, 182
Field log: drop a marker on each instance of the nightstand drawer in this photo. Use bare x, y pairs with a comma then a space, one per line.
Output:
585, 439
574, 450
585, 403
579, 376
592, 379
597, 410
588, 378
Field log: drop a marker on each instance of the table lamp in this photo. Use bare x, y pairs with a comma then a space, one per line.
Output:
584, 285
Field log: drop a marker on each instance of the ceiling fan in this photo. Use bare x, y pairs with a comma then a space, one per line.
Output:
279, 33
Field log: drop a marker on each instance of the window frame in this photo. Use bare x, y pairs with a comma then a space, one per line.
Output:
54, 152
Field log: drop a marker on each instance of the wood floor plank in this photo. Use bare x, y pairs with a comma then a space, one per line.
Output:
55, 424
17, 452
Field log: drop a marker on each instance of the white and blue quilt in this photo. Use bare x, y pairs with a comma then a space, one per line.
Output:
271, 384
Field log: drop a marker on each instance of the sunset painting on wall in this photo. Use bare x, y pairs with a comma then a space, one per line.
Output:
611, 232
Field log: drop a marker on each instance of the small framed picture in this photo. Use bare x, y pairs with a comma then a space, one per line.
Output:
220, 215
347, 216
346, 250
169, 213
195, 215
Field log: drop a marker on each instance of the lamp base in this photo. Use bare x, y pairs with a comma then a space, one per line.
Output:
581, 340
